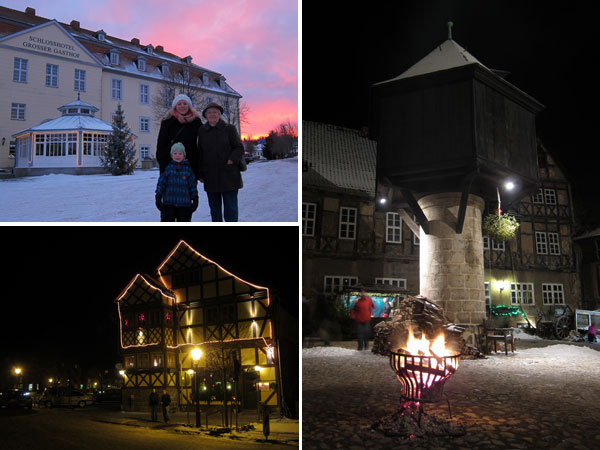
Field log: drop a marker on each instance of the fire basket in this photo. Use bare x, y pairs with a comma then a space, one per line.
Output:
423, 377
422, 368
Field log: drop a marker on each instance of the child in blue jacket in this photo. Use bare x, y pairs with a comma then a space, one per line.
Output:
176, 190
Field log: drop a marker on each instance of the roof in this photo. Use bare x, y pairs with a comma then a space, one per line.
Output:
14, 21
70, 123
447, 55
338, 159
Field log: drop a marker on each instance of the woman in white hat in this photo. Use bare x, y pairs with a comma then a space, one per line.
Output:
180, 125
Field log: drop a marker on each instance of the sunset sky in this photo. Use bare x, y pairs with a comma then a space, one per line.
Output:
253, 43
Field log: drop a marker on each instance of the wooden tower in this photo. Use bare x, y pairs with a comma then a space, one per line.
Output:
192, 302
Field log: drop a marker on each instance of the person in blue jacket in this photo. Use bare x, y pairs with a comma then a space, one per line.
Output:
176, 190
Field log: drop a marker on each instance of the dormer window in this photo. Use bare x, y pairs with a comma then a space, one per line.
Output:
205, 79
101, 35
141, 64
150, 49
187, 59
164, 67
114, 57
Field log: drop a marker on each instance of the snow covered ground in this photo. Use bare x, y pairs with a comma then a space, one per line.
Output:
270, 194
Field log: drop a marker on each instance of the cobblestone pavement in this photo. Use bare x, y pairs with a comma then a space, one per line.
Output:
543, 396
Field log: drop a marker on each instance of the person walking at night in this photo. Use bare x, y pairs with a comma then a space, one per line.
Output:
220, 152
165, 401
180, 124
153, 401
592, 333
361, 313
176, 190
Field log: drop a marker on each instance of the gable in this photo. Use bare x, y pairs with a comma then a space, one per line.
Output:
184, 258
50, 39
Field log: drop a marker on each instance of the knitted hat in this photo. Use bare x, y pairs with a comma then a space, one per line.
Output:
182, 97
212, 105
178, 147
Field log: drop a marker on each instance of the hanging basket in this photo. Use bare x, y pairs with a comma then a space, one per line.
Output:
500, 227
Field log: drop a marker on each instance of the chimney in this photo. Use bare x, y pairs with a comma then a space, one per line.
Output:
159, 48
30, 11
75, 25
135, 41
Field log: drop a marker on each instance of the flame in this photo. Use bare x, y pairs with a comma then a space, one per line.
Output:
424, 347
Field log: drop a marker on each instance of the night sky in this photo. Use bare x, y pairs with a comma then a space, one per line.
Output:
548, 48
60, 283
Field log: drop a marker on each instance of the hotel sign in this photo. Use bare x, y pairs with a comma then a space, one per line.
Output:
52, 47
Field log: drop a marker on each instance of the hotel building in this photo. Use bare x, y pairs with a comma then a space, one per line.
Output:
49, 64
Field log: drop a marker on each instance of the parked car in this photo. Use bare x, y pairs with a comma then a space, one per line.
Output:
65, 397
248, 157
14, 398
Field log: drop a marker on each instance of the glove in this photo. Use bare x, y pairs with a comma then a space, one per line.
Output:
194, 204
159, 204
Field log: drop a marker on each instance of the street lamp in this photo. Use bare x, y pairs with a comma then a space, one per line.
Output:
196, 354
19, 374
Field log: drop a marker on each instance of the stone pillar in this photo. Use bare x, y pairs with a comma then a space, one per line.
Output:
451, 264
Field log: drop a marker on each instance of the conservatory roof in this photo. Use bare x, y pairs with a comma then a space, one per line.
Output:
70, 123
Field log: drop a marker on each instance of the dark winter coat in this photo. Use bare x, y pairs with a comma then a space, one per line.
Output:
216, 145
165, 399
188, 137
153, 399
177, 184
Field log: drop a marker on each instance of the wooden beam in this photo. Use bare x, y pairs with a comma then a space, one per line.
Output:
462, 209
408, 220
416, 210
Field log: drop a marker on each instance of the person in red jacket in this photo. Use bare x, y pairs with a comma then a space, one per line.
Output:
361, 313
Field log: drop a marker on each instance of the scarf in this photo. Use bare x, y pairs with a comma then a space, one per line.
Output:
185, 118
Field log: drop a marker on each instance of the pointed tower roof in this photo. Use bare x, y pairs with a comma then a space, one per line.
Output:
447, 55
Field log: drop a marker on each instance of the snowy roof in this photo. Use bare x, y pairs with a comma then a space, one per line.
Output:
78, 104
338, 159
446, 56
70, 123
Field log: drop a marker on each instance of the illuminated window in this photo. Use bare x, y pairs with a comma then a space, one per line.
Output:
335, 284
141, 318
130, 362
521, 293
347, 228
393, 228
157, 360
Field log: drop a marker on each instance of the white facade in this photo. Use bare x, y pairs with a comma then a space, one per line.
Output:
47, 65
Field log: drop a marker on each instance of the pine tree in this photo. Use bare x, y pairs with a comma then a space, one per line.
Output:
120, 152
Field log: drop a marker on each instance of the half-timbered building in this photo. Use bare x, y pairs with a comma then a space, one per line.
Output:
192, 302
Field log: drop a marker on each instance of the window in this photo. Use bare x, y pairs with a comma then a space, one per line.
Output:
141, 64
20, 70
553, 294
393, 228
145, 152
144, 125
130, 362
521, 293
116, 89
79, 80
487, 294
144, 94
541, 246
114, 58
550, 196
56, 144
553, 243
539, 197
51, 75
498, 246
347, 223
157, 360
17, 111
547, 243
334, 284
309, 218
397, 282
143, 361
94, 144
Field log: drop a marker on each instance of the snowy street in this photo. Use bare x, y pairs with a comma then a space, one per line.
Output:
270, 194
542, 396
